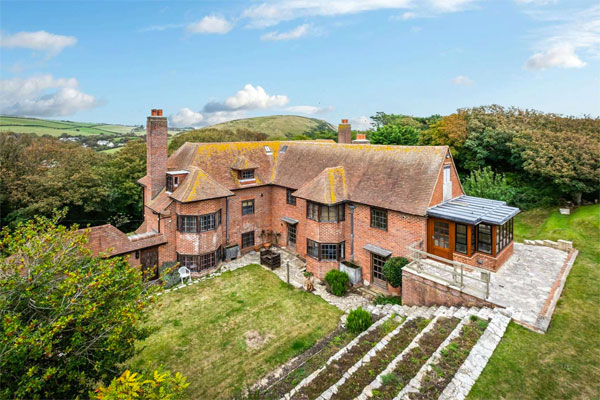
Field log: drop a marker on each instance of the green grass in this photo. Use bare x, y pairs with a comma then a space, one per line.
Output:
204, 329
57, 128
565, 362
277, 125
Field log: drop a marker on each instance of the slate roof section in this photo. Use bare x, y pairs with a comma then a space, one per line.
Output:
474, 210
104, 237
377, 250
199, 186
329, 187
400, 178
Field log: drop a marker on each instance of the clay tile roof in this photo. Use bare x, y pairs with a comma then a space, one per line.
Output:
160, 203
104, 237
329, 187
145, 181
199, 186
241, 163
400, 178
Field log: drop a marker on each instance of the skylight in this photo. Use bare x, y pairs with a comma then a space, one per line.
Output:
283, 149
268, 149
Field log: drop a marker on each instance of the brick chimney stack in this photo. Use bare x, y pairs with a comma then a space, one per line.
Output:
156, 151
361, 138
344, 132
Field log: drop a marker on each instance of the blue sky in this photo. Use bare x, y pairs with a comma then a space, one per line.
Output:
210, 61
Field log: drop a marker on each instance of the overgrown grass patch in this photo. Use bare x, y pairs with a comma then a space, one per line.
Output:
564, 363
369, 371
452, 357
225, 333
337, 368
412, 361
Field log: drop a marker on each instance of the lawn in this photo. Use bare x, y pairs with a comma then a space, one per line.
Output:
227, 332
565, 362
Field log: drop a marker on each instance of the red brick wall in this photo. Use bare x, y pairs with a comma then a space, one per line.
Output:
438, 193
203, 242
418, 291
257, 222
489, 262
279, 209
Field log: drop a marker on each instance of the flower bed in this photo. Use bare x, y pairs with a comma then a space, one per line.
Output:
368, 371
415, 359
336, 369
452, 357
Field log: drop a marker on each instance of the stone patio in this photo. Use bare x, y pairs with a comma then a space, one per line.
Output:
527, 285
297, 268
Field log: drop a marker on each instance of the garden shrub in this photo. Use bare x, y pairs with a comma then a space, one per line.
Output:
338, 282
381, 299
152, 385
358, 320
392, 270
168, 274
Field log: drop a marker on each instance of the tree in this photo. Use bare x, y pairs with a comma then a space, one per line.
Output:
489, 185
158, 385
68, 318
395, 134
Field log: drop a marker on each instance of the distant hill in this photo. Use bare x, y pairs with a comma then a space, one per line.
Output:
277, 125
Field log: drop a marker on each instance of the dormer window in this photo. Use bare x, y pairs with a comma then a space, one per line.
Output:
246, 174
174, 178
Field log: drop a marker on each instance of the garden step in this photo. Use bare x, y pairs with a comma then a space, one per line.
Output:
316, 378
402, 369
356, 378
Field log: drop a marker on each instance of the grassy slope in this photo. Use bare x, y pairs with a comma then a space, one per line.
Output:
57, 128
275, 125
565, 362
204, 328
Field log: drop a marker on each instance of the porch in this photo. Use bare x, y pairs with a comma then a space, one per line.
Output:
528, 284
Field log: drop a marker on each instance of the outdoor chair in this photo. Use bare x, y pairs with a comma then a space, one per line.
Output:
184, 273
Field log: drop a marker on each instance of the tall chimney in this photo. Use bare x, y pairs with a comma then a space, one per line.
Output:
156, 151
344, 132
361, 138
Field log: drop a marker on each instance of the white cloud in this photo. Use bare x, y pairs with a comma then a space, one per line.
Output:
185, 118
408, 15
562, 56
296, 33
361, 123
310, 110
248, 98
34, 96
462, 80
450, 5
574, 34
271, 13
210, 24
49, 43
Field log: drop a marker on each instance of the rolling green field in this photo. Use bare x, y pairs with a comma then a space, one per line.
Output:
57, 128
277, 125
564, 363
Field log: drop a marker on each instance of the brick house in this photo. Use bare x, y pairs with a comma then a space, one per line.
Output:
325, 201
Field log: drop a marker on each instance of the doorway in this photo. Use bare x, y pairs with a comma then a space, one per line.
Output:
377, 263
292, 235
149, 263
440, 238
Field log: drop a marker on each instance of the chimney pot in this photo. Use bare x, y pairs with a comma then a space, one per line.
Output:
159, 112
344, 121
153, 112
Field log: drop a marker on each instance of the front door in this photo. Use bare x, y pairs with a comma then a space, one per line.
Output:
292, 233
149, 262
439, 235
377, 263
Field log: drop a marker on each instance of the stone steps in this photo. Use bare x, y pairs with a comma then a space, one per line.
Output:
464, 378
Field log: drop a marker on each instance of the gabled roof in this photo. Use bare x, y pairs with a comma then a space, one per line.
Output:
329, 187
400, 178
160, 203
104, 237
199, 186
242, 163
474, 210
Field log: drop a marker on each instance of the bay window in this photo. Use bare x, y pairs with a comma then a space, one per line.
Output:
325, 251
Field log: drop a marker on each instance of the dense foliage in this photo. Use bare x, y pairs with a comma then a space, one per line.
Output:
338, 281
538, 158
68, 319
392, 270
39, 174
157, 385
358, 320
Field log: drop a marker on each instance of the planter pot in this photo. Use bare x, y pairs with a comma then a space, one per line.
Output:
355, 274
267, 245
565, 211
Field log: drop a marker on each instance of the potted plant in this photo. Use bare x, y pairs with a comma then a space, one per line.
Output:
309, 282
